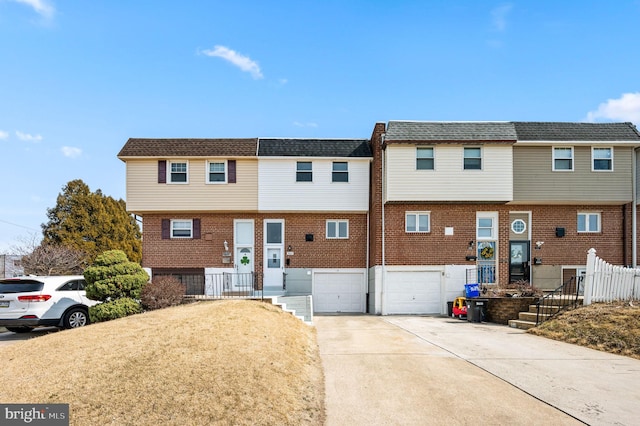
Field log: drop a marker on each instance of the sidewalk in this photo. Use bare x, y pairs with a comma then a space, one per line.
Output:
438, 370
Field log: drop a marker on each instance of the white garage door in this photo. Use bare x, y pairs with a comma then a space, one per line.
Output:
413, 292
339, 292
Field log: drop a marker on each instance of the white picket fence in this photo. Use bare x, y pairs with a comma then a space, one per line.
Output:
606, 283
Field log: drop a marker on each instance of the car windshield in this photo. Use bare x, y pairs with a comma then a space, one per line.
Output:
20, 286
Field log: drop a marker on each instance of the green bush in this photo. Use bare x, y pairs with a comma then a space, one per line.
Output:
163, 292
114, 309
112, 276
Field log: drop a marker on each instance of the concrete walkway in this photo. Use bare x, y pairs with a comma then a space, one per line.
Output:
437, 370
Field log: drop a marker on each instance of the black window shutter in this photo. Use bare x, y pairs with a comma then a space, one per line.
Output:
196, 229
166, 229
162, 171
231, 164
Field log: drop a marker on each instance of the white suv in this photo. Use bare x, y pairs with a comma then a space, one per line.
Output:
29, 302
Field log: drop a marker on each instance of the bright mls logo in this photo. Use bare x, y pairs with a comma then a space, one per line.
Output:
34, 414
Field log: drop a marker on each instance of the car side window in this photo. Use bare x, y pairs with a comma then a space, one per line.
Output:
82, 284
70, 286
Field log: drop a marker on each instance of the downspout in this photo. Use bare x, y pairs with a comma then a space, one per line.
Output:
383, 309
634, 210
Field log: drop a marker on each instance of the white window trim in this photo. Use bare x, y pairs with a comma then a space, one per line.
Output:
433, 157
417, 214
303, 171
593, 159
481, 158
226, 172
345, 172
494, 227
171, 229
586, 222
337, 222
169, 173
553, 159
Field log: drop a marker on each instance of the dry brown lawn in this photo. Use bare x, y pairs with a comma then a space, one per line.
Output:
608, 327
226, 362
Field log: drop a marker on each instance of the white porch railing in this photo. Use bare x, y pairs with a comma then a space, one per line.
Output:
605, 282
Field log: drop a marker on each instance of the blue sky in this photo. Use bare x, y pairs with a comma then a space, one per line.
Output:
78, 78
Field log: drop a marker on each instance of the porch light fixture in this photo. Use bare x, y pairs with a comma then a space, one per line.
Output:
470, 245
226, 245
539, 244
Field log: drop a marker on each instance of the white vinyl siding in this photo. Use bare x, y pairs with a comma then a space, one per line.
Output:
449, 182
144, 194
279, 191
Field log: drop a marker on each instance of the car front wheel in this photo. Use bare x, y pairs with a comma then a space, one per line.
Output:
76, 318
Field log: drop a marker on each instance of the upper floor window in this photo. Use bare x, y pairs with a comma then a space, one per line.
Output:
424, 158
181, 228
602, 159
563, 159
417, 222
340, 171
178, 172
217, 172
338, 229
304, 172
473, 158
588, 222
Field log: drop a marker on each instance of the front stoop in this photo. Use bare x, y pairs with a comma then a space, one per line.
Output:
299, 306
527, 320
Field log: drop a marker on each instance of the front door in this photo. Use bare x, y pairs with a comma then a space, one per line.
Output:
243, 256
519, 261
273, 250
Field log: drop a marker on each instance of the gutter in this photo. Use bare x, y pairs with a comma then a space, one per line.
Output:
634, 210
383, 309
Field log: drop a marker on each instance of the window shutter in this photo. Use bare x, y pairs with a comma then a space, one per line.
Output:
231, 164
166, 229
196, 229
162, 171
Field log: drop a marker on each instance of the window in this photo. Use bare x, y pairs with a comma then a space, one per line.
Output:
340, 171
178, 172
563, 159
518, 226
485, 228
217, 172
472, 158
602, 159
337, 229
588, 222
181, 228
424, 159
304, 172
417, 222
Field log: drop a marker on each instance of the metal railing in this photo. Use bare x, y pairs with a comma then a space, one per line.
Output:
227, 285
561, 299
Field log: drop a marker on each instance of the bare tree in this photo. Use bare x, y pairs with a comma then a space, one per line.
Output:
49, 259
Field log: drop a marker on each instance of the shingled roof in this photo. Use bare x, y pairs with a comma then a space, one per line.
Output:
431, 131
550, 131
189, 148
314, 148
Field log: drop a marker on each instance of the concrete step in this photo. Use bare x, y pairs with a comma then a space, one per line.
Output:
532, 316
299, 306
544, 309
521, 324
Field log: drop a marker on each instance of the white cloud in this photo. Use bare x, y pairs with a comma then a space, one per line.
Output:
28, 137
283, 81
41, 7
71, 151
625, 108
4, 135
309, 124
499, 16
245, 63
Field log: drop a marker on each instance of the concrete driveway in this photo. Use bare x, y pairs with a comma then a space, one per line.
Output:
436, 370
8, 337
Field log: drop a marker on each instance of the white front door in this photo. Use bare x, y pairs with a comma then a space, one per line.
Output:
273, 251
243, 256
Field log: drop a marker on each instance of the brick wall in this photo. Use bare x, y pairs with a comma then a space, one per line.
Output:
502, 309
216, 228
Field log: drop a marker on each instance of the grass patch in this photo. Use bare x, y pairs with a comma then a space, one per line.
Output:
608, 327
227, 362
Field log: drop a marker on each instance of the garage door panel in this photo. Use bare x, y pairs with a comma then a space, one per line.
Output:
339, 292
413, 292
